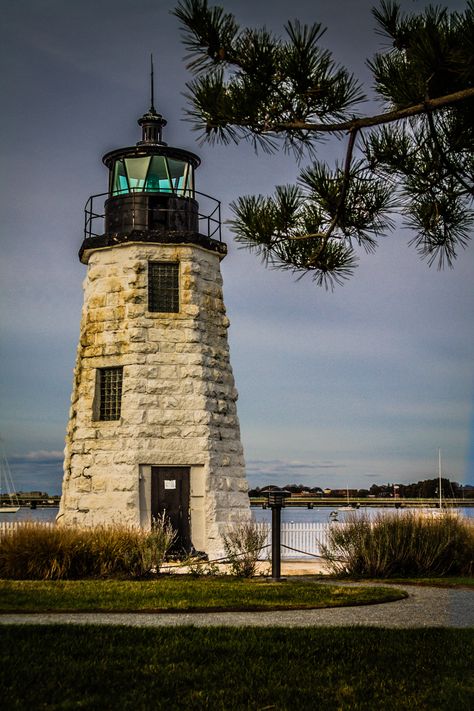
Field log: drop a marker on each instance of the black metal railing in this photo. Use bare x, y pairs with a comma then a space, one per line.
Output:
203, 216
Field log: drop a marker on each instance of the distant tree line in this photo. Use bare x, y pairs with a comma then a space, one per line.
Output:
292, 488
425, 489
428, 488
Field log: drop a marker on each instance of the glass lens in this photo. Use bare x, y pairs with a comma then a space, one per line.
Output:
120, 183
177, 169
157, 179
137, 169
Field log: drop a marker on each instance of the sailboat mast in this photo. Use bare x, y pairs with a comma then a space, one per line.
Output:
439, 477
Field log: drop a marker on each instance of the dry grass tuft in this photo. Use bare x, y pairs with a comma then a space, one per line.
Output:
402, 544
243, 543
36, 552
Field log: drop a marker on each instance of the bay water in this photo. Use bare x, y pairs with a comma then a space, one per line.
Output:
288, 514
325, 514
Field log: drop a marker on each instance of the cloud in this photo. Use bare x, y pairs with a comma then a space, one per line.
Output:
41, 455
278, 463
37, 474
321, 473
278, 468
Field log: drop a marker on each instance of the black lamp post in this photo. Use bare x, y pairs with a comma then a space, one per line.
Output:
276, 501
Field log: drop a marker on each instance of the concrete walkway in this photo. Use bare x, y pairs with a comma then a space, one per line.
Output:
424, 607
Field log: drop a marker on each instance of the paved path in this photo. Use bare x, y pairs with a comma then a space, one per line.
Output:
425, 607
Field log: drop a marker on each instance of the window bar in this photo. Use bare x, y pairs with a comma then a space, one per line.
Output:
170, 182
185, 180
145, 184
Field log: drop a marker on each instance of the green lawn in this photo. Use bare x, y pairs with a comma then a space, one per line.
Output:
183, 593
61, 667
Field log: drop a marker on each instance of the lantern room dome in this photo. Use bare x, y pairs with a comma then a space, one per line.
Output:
152, 124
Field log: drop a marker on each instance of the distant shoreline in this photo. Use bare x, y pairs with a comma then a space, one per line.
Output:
356, 502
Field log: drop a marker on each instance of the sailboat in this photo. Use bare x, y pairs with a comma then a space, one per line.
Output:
440, 488
348, 506
6, 486
440, 511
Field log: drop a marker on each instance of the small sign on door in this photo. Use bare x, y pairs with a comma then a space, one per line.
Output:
170, 483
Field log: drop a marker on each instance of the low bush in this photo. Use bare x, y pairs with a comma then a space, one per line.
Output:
243, 543
401, 544
35, 552
199, 567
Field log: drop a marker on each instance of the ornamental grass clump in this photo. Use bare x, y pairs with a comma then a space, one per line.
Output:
403, 544
36, 552
243, 543
158, 542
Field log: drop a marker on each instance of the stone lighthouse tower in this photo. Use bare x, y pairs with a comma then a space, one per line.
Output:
153, 425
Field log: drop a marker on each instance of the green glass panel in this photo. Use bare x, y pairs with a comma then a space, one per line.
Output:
120, 183
137, 169
177, 170
157, 179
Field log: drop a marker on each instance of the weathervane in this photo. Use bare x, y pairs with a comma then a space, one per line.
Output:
152, 86
152, 122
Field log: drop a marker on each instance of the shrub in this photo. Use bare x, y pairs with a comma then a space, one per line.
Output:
199, 567
401, 544
157, 543
242, 544
36, 552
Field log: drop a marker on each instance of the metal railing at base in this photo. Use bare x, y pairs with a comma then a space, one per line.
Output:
207, 217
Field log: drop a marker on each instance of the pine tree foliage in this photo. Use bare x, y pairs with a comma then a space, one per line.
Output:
414, 158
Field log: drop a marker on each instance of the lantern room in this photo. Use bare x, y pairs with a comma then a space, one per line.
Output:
151, 196
138, 173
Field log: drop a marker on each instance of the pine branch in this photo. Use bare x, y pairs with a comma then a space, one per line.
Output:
452, 169
252, 85
345, 183
378, 119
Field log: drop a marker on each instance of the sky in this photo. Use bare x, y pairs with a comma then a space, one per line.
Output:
350, 388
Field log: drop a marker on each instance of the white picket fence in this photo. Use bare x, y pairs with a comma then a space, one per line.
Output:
298, 540
7, 526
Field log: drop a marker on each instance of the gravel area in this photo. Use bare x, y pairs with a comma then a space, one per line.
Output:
424, 607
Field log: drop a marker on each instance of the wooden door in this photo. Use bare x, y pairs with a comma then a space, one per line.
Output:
170, 497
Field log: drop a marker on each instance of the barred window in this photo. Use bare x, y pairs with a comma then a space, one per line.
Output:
108, 393
163, 287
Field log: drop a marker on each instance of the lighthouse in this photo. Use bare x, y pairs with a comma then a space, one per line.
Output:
153, 426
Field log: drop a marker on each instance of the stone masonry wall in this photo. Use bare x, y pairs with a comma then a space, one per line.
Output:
178, 399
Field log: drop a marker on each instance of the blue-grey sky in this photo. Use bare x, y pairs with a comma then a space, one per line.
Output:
347, 388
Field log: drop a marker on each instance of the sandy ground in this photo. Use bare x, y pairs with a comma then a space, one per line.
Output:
308, 566
304, 567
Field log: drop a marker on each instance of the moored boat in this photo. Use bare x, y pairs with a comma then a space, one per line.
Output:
7, 490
